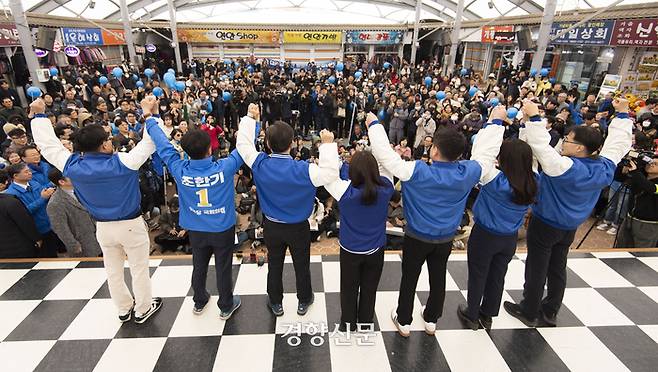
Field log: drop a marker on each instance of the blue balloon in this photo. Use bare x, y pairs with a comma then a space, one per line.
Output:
428, 80
494, 102
180, 86
172, 71
552, 80
464, 71
533, 71
226, 96
381, 115
332, 80
117, 72
103, 80
169, 77
472, 91
227, 61
54, 71
358, 75
387, 65
139, 84
512, 112
544, 72
340, 66
250, 68
157, 91
148, 72
34, 92
135, 77
440, 95
231, 74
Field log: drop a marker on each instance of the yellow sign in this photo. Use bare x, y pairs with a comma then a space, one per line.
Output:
313, 37
228, 36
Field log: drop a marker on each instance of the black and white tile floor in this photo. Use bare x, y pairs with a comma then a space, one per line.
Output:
57, 316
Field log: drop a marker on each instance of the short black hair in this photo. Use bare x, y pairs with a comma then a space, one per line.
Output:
196, 144
4, 176
16, 132
590, 137
21, 152
54, 175
450, 143
589, 115
14, 169
60, 130
279, 136
90, 138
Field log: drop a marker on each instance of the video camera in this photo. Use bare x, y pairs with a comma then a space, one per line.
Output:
640, 157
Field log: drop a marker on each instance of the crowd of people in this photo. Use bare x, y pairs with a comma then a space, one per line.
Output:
352, 149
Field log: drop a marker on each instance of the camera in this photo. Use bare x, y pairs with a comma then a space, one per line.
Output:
640, 157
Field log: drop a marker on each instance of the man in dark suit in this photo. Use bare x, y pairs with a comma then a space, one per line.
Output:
70, 220
17, 228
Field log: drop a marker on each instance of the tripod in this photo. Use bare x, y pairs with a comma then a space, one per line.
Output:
612, 200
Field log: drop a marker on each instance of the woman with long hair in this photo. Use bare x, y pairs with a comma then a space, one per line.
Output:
500, 208
363, 205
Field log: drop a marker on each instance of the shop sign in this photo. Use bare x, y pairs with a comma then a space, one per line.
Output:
40, 52
498, 34
313, 37
9, 35
373, 37
610, 84
140, 49
150, 48
228, 36
72, 51
636, 32
82, 36
115, 37
592, 33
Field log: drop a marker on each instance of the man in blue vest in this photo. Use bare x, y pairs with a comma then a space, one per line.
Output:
107, 185
286, 191
207, 210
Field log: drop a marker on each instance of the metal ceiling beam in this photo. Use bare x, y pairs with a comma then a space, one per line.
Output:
47, 6
528, 5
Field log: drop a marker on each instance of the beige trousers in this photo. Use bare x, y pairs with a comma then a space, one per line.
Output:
119, 239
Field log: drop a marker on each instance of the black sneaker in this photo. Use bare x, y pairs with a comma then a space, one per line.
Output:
515, 311
302, 308
466, 321
486, 321
548, 320
126, 317
277, 309
224, 315
198, 309
156, 304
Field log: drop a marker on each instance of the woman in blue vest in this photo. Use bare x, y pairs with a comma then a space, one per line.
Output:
363, 204
505, 196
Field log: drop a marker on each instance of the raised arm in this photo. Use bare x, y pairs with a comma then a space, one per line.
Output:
44, 136
247, 135
620, 133
487, 144
552, 163
383, 152
145, 148
327, 170
165, 149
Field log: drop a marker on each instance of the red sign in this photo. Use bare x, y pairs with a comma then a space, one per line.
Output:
116, 37
635, 32
498, 34
8, 34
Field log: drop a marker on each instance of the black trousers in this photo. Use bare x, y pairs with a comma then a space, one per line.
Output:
278, 237
414, 254
488, 257
546, 264
359, 278
50, 245
204, 245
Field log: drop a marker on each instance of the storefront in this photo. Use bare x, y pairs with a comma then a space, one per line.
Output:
225, 43
368, 44
79, 46
496, 50
322, 47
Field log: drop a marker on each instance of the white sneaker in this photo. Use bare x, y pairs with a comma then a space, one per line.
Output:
612, 231
603, 226
403, 330
430, 328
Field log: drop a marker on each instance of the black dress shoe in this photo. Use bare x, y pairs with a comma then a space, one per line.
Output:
548, 320
485, 321
466, 321
515, 311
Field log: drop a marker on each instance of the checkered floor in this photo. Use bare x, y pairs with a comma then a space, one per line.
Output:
57, 316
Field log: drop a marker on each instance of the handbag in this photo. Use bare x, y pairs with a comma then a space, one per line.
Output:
341, 112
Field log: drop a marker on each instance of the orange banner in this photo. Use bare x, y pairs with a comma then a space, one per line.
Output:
112, 39
228, 36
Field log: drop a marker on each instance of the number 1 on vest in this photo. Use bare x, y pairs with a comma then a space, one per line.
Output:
203, 198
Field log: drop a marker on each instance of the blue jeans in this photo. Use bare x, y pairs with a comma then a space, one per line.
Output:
618, 198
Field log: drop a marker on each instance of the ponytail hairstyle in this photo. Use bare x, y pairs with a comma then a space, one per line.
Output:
515, 161
364, 174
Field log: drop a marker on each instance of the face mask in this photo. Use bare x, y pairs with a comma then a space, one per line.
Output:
113, 99
454, 117
460, 99
290, 92
417, 108
646, 123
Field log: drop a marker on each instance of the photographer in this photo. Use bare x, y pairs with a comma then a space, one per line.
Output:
640, 228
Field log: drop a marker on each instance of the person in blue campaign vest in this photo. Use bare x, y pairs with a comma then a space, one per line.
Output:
363, 205
434, 200
286, 193
107, 185
569, 188
207, 211
499, 211
31, 156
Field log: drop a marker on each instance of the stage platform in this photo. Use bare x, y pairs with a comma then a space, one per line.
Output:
57, 316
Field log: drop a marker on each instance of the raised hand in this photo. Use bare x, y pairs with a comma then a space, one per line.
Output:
326, 136
499, 113
620, 105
